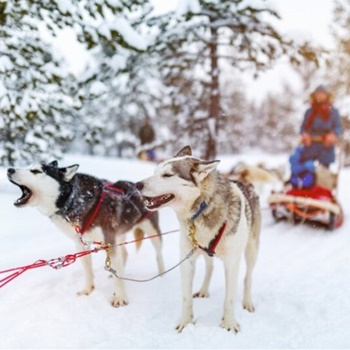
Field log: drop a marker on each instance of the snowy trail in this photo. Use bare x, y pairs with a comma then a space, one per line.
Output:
301, 286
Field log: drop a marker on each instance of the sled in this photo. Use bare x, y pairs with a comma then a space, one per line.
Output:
316, 205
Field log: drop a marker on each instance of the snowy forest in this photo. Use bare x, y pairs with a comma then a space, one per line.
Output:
182, 69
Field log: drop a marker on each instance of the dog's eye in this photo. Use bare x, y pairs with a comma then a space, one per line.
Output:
36, 171
168, 175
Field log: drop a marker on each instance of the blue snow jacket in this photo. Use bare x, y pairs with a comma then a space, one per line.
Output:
303, 172
321, 127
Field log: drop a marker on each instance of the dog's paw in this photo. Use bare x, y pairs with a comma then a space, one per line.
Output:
184, 322
201, 294
248, 305
86, 291
230, 325
119, 301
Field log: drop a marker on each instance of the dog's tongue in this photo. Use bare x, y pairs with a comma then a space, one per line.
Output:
155, 202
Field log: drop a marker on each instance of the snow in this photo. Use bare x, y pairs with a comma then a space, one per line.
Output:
185, 6
65, 6
5, 64
301, 283
98, 88
132, 37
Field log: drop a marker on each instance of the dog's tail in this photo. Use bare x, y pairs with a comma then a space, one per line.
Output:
138, 235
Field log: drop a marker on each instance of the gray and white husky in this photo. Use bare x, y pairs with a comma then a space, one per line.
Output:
69, 199
203, 197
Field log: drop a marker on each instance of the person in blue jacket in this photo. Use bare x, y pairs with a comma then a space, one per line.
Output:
321, 120
319, 131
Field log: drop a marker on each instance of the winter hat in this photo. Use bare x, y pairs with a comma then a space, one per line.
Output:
322, 88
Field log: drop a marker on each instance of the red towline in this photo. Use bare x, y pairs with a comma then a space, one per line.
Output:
64, 261
55, 263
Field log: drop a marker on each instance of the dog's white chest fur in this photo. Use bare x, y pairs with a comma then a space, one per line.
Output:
230, 241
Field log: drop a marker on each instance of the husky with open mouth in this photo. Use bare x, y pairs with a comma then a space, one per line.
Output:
69, 199
217, 217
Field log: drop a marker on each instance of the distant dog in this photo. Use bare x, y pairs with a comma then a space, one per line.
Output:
69, 199
259, 176
223, 215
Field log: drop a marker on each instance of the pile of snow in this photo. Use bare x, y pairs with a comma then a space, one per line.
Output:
301, 284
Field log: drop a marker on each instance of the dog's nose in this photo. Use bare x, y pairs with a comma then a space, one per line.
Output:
139, 185
10, 171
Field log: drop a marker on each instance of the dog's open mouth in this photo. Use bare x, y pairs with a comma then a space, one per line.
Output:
156, 202
26, 195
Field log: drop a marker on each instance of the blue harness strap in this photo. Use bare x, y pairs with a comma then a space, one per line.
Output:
202, 206
215, 241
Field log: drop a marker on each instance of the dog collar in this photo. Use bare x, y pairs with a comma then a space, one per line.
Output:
202, 206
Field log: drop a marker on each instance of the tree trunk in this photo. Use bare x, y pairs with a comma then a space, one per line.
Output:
214, 107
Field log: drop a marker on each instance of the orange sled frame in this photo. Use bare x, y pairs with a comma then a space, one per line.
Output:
314, 205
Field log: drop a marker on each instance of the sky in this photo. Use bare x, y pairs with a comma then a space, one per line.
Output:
301, 19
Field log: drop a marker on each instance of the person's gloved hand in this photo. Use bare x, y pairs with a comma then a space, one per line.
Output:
330, 139
306, 139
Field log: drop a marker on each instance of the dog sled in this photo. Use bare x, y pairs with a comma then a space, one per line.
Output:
317, 205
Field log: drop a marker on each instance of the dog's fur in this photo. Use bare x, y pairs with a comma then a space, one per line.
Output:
258, 175
183, 183
69, 199
325, 178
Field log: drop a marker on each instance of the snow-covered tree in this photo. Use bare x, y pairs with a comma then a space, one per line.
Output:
36, 94
277, 121
33, 100
337, 73
197, 46
121, 87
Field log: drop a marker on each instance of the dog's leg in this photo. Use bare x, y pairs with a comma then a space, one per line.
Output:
187, 273
153, 230
231, 276
89, 275
117, 257
125, 254
203, 292
157, 244
251, 254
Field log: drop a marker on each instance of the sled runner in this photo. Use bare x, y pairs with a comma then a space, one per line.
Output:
316, 204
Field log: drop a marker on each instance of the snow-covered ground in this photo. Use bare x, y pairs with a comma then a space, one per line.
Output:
301, 285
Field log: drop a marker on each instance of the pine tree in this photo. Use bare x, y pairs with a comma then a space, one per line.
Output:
195, 48
120, 87
36, 94
339, 58
337, 73
278, 119
33, 100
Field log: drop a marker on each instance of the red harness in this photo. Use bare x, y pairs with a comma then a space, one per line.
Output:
210, 250
107, 189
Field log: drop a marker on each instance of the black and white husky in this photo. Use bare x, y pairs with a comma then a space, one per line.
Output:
219, 216
70, 199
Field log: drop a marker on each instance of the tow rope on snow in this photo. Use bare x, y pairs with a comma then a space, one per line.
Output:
64, 261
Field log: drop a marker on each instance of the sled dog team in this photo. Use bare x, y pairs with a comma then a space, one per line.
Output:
217, 216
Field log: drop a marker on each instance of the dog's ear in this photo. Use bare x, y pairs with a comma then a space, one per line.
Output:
54, 163
186, 151
69, 172
205, 168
